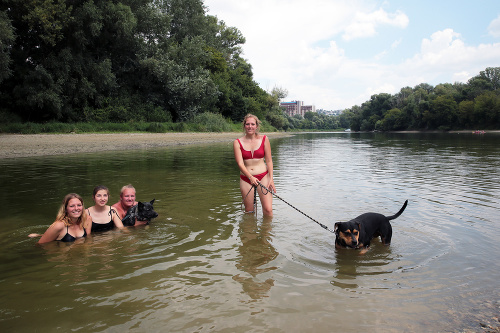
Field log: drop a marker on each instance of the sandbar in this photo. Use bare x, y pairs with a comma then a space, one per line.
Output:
26, 145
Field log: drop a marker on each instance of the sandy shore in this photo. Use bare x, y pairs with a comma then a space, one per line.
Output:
20, 145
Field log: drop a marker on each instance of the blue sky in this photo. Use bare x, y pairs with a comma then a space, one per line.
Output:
337, 53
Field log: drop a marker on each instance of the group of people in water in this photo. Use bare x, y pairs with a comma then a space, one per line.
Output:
252, 153
73, 221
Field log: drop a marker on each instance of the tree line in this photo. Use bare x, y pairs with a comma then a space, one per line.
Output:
169, 61
117, 61
471, 105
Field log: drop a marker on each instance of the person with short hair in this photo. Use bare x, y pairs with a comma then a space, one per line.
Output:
127, 200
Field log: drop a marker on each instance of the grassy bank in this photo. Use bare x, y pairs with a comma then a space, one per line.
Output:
205, 122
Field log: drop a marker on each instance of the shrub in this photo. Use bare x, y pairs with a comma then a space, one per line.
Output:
156, 128
211, 122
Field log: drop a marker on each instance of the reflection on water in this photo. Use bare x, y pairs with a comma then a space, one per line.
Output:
204, 265
255, 252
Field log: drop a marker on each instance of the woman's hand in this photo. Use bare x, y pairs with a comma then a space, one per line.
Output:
254, 181
271, 187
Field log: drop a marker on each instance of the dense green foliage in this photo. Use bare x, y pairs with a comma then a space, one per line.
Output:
203, 122
471, 105
115, 61
161, 62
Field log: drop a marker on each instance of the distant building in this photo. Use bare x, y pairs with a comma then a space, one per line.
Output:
296, 107
330, 112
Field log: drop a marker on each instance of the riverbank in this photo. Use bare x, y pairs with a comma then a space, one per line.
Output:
26, 145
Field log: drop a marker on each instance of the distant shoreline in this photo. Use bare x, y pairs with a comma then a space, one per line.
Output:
30, 145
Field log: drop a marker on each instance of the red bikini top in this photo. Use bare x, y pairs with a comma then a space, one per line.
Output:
247, 154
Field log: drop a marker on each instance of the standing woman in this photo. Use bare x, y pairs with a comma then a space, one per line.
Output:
103, 217
253, 156
72, 222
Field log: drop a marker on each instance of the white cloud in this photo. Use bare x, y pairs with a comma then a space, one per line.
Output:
494, 27
365, 24
446, 55
304, 47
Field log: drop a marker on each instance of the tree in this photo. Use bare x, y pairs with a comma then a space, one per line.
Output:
492, 74
443, 112
466, 114
6, 38
393, 120
345, 119
487, 110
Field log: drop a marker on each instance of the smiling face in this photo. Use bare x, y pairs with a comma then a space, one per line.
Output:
74, 209
127, 197
101, 197
251, 125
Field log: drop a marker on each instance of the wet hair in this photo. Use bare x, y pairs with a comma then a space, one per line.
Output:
256, 120
62, 215
129, 186
100, 188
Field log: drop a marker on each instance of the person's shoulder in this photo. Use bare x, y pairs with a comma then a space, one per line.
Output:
58, 225
237, 143
116, 205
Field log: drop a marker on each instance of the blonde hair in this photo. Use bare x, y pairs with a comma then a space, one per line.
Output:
62, 215
129, 186
256, 120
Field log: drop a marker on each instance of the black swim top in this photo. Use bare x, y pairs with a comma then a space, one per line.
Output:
69, 238
97, 227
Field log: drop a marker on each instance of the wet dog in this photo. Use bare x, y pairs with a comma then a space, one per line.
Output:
142, 213
358, 232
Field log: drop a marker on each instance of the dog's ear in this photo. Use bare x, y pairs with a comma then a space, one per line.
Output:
140, 205
336, 227
152, 201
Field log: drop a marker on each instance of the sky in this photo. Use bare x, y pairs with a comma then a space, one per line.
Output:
336, 54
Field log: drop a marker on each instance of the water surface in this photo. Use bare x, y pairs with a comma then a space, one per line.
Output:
203, 265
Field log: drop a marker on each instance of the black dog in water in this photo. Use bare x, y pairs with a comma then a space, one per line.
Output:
142, 212
358, 232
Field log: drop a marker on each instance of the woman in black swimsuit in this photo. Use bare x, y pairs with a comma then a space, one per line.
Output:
103, 216
72, 222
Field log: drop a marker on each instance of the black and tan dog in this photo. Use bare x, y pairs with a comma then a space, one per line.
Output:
358, 232
142, 213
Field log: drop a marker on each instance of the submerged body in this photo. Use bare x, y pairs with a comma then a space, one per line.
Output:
252, 153
358, 232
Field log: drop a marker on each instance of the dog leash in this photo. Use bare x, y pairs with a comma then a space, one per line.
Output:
277, 196
254, 199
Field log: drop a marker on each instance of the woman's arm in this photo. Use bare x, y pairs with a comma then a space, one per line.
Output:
269, 162
88, 225
116, 219
52, 232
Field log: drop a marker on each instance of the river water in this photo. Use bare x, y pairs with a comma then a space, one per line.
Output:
204, 266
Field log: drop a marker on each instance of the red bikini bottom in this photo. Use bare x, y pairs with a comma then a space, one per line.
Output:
259, 177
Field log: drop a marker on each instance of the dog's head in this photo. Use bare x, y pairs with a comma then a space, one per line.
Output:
347, 234
145, 211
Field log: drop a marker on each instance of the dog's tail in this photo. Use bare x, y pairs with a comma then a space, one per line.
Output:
398, 213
